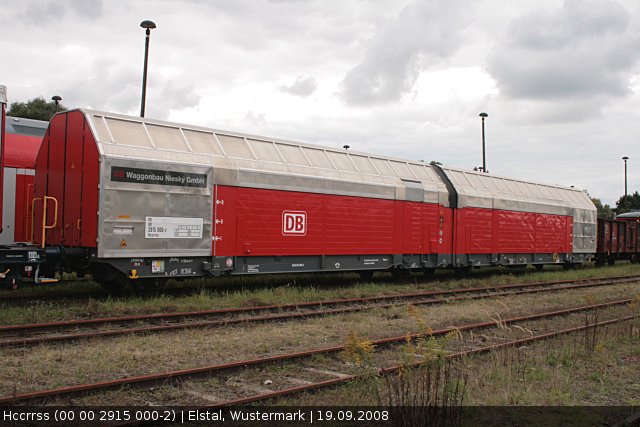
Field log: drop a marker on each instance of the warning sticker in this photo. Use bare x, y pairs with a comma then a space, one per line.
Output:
123, 243
162, 227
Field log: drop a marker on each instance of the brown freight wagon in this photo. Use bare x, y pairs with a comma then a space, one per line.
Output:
617, 240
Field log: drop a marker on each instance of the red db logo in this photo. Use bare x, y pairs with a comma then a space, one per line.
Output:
294, 223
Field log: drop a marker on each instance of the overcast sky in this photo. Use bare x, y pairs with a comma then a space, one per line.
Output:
560, 80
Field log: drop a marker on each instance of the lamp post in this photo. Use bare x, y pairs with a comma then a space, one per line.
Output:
346, 147
625, 158
56, 99
149, 25
484, 160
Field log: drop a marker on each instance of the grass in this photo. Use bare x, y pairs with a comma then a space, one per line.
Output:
565, 371
277, 289
50, 366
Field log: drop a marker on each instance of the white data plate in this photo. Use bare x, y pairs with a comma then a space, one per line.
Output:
164, 227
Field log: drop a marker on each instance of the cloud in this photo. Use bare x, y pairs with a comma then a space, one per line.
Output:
303, 86
51, 12
89, 9
105, 85
423, 34
174, 95
583, 51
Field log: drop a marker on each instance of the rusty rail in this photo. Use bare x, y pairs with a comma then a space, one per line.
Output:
186, 373
484, 292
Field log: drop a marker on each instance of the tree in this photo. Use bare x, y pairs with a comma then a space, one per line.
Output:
604, 211
36, 108
628, 203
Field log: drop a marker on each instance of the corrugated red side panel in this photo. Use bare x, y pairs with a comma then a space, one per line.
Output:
252, 224
24, 195
67, 168
357, 225
55, 181
224, 220
422, 226
444, 234
70, 218
474, 231
412, 238
486, 231
89, 189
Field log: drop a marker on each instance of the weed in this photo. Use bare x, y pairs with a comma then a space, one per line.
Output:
357, 351
427, 389
562, 356
428, 394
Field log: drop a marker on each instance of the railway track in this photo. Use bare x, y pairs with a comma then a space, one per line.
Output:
152, 380
393, 369
53, 293
28, 296
57, 332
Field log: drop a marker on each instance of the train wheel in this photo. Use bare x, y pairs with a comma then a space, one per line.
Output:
14, 278
112, 280
539, 267
399, 273
148, 285
462, 271
366, 274
611, 260
429, 272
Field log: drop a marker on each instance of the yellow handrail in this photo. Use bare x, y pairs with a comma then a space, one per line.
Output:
44, 217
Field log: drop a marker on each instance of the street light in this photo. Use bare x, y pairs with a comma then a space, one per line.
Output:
625, 158
149, 25
346, 147
484, 161
56, 99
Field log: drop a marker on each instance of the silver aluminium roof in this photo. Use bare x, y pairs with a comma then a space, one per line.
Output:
477, 189
249, 160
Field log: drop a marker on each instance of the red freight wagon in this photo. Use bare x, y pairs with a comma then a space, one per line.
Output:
504, 221
617, 240
23, 139
629, 216
136, 199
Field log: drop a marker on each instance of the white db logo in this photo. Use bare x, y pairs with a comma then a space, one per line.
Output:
294, 223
